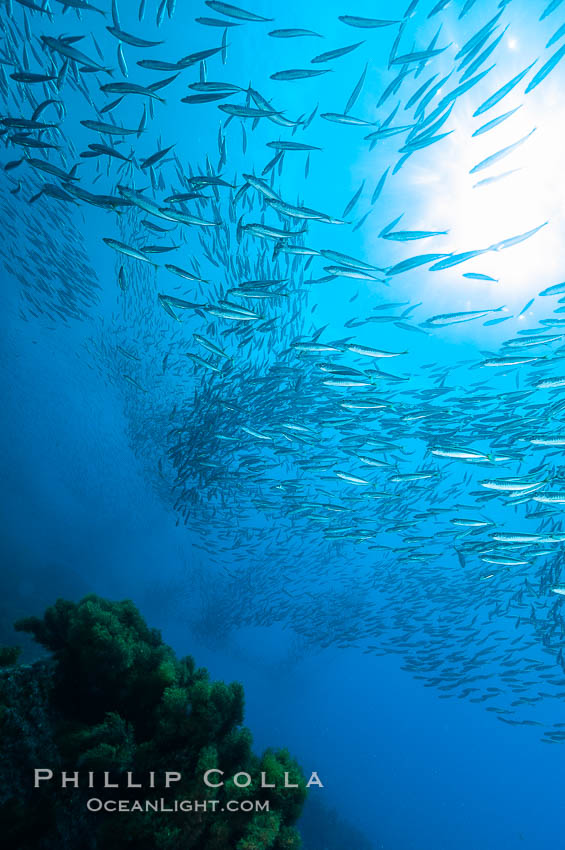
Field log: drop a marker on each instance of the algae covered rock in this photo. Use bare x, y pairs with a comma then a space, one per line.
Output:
162, 761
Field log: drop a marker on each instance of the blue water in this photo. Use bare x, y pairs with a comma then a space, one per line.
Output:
87, 501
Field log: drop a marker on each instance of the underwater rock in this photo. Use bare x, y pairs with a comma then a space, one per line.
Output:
33, 819
111, 713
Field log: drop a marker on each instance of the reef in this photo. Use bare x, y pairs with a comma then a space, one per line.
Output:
113, 697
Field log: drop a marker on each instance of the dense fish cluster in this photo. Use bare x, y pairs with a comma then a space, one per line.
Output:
346, 464
57, 280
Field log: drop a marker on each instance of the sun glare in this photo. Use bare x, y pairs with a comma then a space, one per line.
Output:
501, 200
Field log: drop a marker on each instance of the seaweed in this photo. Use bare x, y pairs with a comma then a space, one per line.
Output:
114, 698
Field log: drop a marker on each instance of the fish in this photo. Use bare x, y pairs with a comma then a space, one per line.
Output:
516, 240
131, 88
122, 280
463, 87
51, 168
479, 276
81, 5
545, 69
183, 273
502, 91
550, 383
298, 74
415, 262
512, 485
133, 40
185, 218
550, 498
373, 352
366, 23
456, 259
107, 151
58, 45
235, 12
444, 319
555, 289
350, 205
551, 7
417, 56
107, 129
30, 5
557, 36
293, 33
352, 479
419, 92
412, 235
28, 141
505, 362
478, 37
353, 97
496, 157
457, 453
122, 61
216, 22
268, 232
155, 157
504, 561
379, 187
547, 441
345, 260
482, 57
490, 125
521, 537
122, 248
356, 274
343, 118
423, 142
288, 145
330, 55
28, 77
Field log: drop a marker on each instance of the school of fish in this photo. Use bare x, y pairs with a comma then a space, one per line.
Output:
345, 469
